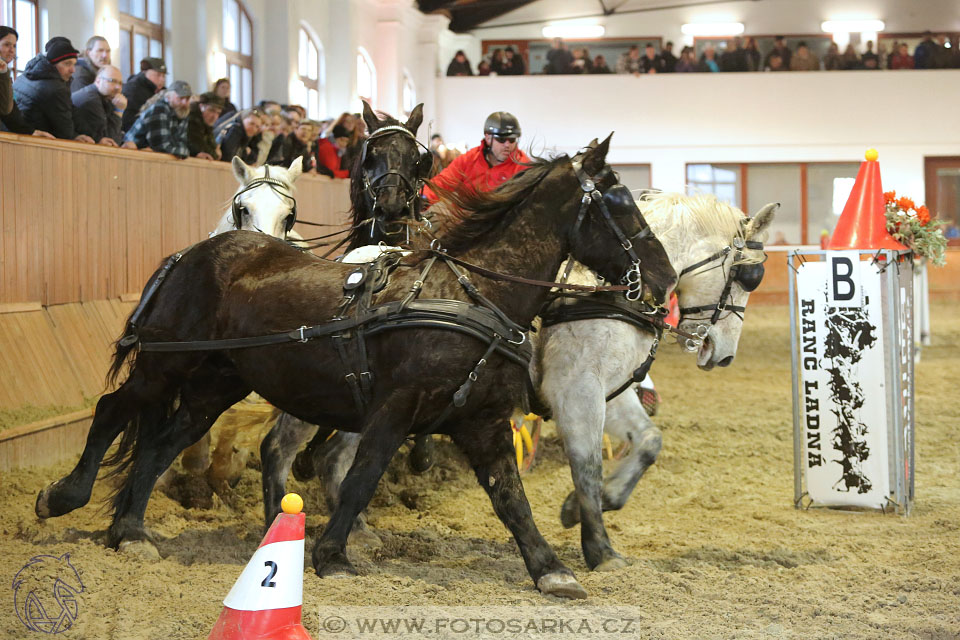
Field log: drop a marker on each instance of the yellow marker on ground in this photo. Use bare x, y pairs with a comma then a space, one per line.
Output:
291, 503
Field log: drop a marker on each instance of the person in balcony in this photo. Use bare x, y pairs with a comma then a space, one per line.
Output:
329, 153
780, 49
559, 58
629, 61
459, 66
833, 61
97, 107
239, 135
203, 114
512, 63
95, 55
139, 88
708, 61
901, 58
687, 62
804, 60
13, 121
162, 125
600, 65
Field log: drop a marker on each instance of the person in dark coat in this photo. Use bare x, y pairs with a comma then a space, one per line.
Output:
459, 66
96, 110
222, 88
669, 60
239, 135
559, 58
13, 120
141, 87
42, 91
203, 114
299, 144
95, 56
734, 59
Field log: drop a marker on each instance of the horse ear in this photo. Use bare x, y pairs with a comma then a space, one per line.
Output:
373, 122
762, 220
415, 119
596, 157
296, 168
241, 170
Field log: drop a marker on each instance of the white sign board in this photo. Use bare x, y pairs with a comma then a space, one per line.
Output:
842, 385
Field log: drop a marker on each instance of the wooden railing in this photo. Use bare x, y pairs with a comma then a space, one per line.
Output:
81, 222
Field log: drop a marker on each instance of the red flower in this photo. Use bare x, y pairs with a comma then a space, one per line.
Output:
906, 203
890, 196
923, 215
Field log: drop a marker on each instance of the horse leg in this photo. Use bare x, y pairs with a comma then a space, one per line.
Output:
580, 423
196, 457
335, 459
421, 454
384, 431
305, 464
626, 420
277, 452
203, 397
493, 458
114, 411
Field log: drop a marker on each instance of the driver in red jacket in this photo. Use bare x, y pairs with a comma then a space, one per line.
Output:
489, 165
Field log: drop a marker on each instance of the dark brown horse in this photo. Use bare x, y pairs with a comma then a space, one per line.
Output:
242, 284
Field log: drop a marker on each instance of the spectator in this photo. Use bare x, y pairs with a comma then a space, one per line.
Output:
203, 114
299, 144
708, 61
752, 54
330, 151
955, 52
869, 59
483, 69
581, 61
600, 65
650, 62
923, 54
239, 135
222, 88
629, 61
300, 111
442, 154
776, 63
941, 54
781, 49
803, 60
42, 91
268, 107
139, 88
687, 62
280, 126
559, 58
95, 55
734, 59
833, 61
13, 120
883, 57
496, 62
901, 58
512, 63
162, 125
98, 106
268, 134
459, 66
669, 60
850, 59
893, 51
8, 40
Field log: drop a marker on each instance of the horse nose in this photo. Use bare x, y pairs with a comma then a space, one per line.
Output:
726, 362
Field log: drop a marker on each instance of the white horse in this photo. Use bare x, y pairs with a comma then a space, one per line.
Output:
580, 363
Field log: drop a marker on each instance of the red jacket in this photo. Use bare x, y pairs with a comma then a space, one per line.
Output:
472, 169
329, 157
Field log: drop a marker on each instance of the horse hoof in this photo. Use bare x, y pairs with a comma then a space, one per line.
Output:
364, 538
141, 549
562, 585
421, 455
54, 501
337, 570
42, 506
570, 511
303, 468
612, 564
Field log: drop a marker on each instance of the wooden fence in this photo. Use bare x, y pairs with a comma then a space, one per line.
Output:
81, 222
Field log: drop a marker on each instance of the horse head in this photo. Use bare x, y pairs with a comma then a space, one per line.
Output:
264, 201
610, 234
388, 176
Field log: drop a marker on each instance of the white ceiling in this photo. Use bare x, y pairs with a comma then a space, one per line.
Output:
548, 10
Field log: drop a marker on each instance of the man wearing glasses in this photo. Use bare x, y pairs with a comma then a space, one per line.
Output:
99, 106
489, 165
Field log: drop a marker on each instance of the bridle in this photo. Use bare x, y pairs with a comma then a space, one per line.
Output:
373, 186
748, 276
279, 187
614, 196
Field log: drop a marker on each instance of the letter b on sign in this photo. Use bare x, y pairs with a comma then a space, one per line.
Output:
843, 290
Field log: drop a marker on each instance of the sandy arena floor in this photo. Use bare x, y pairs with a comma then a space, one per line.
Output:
717, 549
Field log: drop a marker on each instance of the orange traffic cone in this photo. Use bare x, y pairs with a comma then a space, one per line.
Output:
265, 601
863, 223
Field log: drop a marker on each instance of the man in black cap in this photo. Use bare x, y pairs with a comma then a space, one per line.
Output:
42, 91
162, 126
203, 113
486, 167
141, 87
96, 111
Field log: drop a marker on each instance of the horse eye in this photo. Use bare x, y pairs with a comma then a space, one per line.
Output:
244, 211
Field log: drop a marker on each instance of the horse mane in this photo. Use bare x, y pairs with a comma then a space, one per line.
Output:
479, 213
704, 216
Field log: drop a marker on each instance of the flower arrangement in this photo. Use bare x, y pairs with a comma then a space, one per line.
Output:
913, 226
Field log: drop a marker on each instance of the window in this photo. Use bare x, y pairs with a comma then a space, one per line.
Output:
636, 177
22, 16
141, 33
310, 70
366, 77
722, 180
238, 50
409, 94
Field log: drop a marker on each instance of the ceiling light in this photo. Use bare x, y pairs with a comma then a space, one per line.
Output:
852, 26
573, 31
712, 29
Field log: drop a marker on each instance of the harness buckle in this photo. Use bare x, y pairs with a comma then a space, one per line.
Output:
302, 337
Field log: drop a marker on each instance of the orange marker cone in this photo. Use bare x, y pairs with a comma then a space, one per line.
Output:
863, 223
265, 601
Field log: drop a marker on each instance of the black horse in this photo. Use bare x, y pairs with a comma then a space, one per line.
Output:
243, 284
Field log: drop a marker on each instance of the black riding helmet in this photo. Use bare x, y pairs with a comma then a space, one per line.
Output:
501, 123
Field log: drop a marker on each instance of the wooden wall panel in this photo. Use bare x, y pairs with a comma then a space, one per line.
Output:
82, 222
